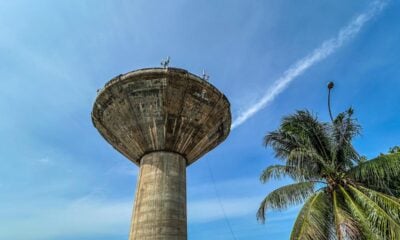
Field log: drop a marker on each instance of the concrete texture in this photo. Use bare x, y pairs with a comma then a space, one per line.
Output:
162, 119
161, 109
160, 204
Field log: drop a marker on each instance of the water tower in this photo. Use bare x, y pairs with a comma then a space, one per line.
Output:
163, 120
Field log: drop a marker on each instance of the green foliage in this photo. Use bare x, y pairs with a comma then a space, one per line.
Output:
346, 196
278, 172
285, 196
313, 221
379, 173
385, 226
359, 215
395, 149
345, 224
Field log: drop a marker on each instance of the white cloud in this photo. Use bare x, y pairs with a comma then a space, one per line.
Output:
45, 161
317, 55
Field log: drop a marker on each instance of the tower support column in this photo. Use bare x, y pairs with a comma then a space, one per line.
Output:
160, 201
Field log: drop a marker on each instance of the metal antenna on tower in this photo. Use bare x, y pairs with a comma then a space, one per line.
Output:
205, 76
165, 62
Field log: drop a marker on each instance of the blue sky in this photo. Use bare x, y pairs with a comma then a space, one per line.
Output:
60, 180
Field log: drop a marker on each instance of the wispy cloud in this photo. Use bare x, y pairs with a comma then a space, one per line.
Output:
45, 161
327, 48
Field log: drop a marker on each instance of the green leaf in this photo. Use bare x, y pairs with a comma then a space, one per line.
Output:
379, 173
344, 129
300, 130
315, 219
285, 196
388, 203
306, 160
383, 223
300, 174
277, 172
360, 216
346, 227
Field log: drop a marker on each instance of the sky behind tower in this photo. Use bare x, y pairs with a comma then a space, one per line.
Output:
61, 180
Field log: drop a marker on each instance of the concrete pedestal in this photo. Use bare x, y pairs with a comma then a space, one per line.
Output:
160, 202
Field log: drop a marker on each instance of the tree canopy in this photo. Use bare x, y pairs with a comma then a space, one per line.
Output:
345, 195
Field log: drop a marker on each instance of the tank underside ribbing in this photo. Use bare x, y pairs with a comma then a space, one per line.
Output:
161, 110
160, 202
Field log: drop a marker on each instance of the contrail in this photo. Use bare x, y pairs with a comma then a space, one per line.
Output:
327, 48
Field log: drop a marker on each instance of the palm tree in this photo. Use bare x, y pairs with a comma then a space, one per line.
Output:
345, 197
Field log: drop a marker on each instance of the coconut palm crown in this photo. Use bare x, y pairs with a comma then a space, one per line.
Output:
345, 196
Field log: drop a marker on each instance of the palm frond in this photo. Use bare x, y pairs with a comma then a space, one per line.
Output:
346, 227
389, 204
280, 171
314, 219
283, 197
360, 216
309, 130
384, 224
306, 160
378, 173
282, 143
344, 129
300, 130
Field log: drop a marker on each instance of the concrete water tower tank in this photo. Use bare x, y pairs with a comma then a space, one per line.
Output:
163, 120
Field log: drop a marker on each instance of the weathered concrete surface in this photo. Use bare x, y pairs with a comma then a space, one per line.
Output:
162, 120
161, 109
160, 204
